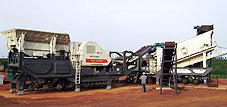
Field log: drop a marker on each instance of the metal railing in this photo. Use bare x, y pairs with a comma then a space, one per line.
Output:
214, 76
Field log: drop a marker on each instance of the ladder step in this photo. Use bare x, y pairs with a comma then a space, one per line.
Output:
168, 60
169, 74
166, 73
168, 48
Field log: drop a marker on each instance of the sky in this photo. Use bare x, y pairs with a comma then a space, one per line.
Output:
116, 25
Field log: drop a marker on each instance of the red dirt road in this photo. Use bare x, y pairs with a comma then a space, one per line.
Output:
131, 95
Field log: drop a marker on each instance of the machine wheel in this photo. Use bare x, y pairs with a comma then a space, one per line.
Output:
59, 87
45, 87
195, 81
184, 81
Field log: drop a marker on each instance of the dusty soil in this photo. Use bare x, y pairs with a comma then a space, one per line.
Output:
120, 95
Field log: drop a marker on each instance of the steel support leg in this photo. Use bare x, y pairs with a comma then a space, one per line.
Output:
13, 87
109, 84
20, 88
205, 81
77, 88
157, 80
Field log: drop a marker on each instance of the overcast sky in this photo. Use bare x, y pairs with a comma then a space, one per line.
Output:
116, 24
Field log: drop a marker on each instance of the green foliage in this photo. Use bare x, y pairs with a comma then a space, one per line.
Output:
3, 62
219, 67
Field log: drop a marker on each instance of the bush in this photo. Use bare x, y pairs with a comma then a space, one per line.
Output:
219, 67
3, 62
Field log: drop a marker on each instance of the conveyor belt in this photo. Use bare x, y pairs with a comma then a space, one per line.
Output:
167, 72
143, 50
139, 52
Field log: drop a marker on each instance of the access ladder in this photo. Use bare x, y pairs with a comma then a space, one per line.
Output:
168, 73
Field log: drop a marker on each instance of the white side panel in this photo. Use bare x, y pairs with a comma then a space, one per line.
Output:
194, 45
91, 54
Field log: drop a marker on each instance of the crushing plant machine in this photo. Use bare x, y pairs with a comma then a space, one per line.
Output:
47, 60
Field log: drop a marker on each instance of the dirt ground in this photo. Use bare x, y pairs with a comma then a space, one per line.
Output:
120, 95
